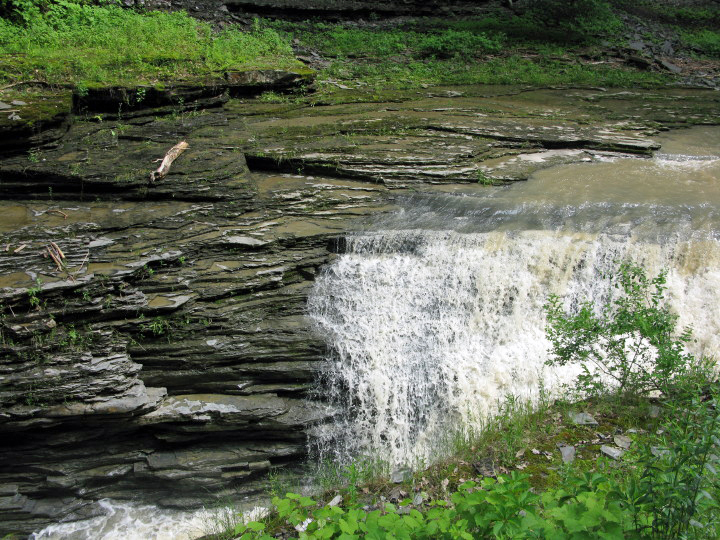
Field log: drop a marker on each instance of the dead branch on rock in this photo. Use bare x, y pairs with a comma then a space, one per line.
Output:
171, 156
87, 256
57, 255
56, 258
63, 214
57, 250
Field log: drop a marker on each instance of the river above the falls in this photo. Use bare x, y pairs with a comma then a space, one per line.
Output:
434, 314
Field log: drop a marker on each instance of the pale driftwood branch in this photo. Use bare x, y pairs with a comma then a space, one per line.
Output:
171, 156
87, 255
56, 259
57, 250
63, 214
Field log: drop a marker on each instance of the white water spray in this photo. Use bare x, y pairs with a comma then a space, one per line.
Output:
129, 521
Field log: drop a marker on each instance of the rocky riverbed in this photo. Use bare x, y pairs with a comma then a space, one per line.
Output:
154, 336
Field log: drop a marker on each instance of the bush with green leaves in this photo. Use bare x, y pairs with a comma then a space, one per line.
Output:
492, 507
631, 340
677, 492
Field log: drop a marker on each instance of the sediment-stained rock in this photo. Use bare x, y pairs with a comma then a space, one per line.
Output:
165, 355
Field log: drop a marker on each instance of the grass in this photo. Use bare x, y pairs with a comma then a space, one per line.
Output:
705, 42
86, 46
513, 69
107, 45
498, 49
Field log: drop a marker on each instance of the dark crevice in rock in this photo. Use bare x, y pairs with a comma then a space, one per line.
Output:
266, 164
120, 100
46, 186
349, 9
569, 143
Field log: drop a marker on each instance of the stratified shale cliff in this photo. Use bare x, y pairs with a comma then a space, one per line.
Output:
154, 338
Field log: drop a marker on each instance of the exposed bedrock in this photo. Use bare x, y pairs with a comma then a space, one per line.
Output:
154, 337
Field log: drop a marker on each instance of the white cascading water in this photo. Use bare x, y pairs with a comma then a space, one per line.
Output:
435, 314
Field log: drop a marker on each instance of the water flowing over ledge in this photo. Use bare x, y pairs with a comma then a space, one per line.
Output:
435, 314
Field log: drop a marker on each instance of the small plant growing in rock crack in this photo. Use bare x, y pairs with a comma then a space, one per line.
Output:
140, 94
483, 179
157, 327
146, 272
32, 292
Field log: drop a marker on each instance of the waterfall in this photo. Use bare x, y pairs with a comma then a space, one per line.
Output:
434, 314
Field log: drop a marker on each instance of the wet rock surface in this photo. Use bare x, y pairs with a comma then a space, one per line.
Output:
162, 352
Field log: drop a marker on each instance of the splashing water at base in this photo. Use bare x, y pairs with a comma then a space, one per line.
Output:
129, 521
437, 315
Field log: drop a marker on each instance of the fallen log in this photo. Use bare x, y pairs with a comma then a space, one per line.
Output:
171, 156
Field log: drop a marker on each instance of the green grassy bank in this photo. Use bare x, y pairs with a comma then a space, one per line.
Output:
70, 43
66, 42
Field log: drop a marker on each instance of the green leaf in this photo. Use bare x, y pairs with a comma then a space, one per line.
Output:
256, 526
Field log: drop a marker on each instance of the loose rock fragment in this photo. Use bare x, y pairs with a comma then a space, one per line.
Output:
583, 419
623, 441
567, 453
612, 451
400, 475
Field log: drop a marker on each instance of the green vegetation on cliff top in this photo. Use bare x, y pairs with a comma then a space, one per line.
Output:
72, 43
66, 42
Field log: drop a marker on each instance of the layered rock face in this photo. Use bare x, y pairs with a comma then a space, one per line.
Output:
154, 338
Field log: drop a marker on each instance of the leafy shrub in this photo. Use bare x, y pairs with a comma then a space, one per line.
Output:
631, 340
679, 486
